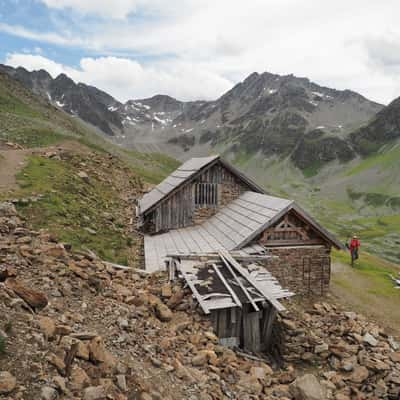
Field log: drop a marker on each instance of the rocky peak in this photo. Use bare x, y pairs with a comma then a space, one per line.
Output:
162, 103
383, 129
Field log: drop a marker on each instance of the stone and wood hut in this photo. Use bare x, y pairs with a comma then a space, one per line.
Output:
234, 245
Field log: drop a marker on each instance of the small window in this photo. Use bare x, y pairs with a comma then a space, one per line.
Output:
206, 194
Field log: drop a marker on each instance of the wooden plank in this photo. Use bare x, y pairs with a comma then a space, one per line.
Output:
269, 316
245, 222
190, 243
245, 291
233, 225
218, 235
240, 209
227, 236
222, 323
198, 239
196, 294
251, 331
214, 244
238, 267
179, 243
215, 256
227, 286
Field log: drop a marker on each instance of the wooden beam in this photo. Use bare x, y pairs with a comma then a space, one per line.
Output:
245, 291
215, 257
196, 294
226, 284
247, 276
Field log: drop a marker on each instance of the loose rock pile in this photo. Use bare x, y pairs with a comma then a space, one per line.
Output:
358, 360
76, 327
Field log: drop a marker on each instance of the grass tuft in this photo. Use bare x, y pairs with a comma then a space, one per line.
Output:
2, 345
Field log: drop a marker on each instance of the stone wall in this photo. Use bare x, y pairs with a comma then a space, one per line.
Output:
303, 269
230, 191
201, 214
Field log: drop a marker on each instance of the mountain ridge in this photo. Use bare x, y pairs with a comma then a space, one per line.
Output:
274, 114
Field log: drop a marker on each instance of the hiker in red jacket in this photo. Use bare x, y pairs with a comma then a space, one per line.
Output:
354, 247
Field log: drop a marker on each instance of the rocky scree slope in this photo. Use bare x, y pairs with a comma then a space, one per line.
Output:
266, 113
77, 327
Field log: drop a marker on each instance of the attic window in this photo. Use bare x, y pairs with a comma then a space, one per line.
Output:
206, 194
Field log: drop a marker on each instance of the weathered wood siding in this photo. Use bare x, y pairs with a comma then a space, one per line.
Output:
246, 328
180, 210
290, 230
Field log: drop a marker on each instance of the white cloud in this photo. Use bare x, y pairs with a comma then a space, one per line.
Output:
127, 79
223, 40
104, 8
46, 37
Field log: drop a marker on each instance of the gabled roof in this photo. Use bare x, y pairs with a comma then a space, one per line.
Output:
187, 171
262, 211
234, 227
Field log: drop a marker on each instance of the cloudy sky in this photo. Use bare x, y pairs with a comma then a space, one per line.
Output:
197, 49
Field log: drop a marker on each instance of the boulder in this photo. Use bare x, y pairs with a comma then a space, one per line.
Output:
57, 362
320, 348
395, 356
79, 378
94, 393
97, 350
47, 326
307, 387
48, 393
369, 339
359, 375
121, 382
7, 210
7, 382
163, 312
37, 300
84, 176
250, 384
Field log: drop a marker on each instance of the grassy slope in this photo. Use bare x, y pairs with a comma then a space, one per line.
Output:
75, 211
367, 288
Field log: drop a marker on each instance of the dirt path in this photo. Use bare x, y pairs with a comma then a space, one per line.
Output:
11, 162
355, 291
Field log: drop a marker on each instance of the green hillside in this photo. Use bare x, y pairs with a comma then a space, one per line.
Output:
361, 196
74, 183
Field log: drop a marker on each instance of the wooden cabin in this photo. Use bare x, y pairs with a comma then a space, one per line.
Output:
193, 193
207, 205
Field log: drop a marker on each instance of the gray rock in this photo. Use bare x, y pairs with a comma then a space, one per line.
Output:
7, 210
7, 382
307, 387
394, 345
48, 393
121, 382
369, 339
320, 348
350, 315
94, 393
